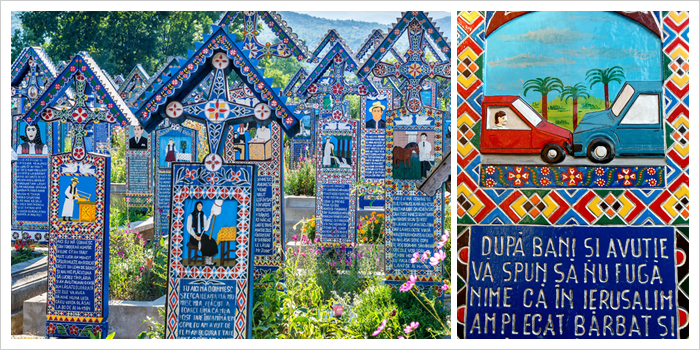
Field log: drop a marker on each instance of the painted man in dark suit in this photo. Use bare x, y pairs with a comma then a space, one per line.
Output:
138, 142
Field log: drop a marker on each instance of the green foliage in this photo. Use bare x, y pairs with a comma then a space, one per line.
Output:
355, 110
301, 179
23, 255
137, 269
156, 330
422, 311
280, 70
118, 158
117, 40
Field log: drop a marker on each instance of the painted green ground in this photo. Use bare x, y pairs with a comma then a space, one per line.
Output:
408, 174
561, 112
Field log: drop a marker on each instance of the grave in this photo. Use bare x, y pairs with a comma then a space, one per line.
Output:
79, 196
336, 156
139, 168
219, 250
171, 144
413, 220
373, 145
33, 141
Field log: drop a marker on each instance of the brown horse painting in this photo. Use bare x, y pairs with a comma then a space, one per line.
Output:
404, 155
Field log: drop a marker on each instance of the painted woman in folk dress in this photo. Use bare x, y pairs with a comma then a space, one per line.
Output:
171, 151
197, 225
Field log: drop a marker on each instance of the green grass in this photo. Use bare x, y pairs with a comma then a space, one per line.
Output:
408, 174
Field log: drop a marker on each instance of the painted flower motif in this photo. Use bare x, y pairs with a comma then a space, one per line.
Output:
626, 176
337, 89
599, 171
490, 182
545, 181
651, 171
73, 330
415, 70
490, 170
50, 329
79, 114
190, 174
518, 176
545, 170
78, 153
652, 182
96, 330
600, 182
212, 178
235, 176
572, 177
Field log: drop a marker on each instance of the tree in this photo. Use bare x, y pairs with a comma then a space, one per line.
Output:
543, 86
574, 93
597, 75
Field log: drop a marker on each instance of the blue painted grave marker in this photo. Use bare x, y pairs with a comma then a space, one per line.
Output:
571, 282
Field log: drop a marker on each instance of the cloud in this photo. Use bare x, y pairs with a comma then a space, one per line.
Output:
526, 60
608, 52
550, 36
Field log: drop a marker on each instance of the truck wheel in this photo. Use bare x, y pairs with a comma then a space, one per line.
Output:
552, 153
600, 151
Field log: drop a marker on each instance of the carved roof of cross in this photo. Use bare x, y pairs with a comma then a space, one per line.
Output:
43, 66
289, 44
137, 78
160, 77
218, 55
291, 90
94, 100
414, 70
337, 61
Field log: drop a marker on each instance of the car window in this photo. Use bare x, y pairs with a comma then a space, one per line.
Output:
622, 100
528, 112
512, 122
644, 110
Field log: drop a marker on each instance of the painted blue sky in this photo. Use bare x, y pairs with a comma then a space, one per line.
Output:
566, 45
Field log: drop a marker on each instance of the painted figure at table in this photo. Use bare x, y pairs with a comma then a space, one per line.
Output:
171, 151
501, 120
328, 150
197, 225
32, 141
138, 142
377, 109
71, 194
424, 155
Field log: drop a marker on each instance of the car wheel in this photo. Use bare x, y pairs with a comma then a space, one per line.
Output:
552, 153
600, 151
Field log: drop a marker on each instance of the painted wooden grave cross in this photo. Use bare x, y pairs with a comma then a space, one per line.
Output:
288, 46
78, 281
213, 204
414, 69
413, 220
336, 158
33, 140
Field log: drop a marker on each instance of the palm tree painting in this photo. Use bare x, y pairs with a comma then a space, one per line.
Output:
574, 93
606, 76
544, 87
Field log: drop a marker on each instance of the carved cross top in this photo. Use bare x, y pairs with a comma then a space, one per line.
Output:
414, 69
336, 87
79, 115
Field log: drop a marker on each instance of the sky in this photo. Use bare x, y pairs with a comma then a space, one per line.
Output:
566, 45
383, 17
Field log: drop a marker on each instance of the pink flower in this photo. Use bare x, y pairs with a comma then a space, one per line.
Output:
438, 257
333, 263
425, 256
401, 337
295, 237
415, 257
379, 329
409, 284
443, 240
445, 287
411, 327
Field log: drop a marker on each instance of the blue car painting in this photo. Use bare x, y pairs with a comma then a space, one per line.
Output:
632, 127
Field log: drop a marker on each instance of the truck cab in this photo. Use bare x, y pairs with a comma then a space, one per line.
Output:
509, 125
633, 126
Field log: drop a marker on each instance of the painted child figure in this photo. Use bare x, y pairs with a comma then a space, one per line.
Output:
197, 225
71, 194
